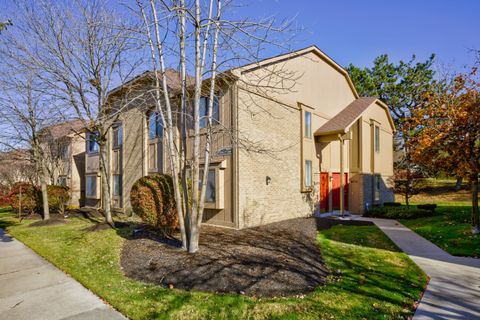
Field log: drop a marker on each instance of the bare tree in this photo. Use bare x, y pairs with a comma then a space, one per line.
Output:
24, 113
79, 51
197, 36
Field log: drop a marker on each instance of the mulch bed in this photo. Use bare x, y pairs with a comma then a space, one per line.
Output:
279, 259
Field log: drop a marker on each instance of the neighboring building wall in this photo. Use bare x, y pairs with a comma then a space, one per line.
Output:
77, 173
133, 152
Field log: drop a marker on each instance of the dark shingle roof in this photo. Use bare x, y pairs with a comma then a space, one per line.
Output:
346, 117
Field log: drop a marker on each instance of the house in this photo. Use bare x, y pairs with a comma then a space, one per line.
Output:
294, 138
64, 147
15, 167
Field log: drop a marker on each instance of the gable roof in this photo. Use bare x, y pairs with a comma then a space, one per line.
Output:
299, 53
174, 80
343, 120
60, 130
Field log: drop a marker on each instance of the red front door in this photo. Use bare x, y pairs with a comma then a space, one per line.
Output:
324, 191
336, 191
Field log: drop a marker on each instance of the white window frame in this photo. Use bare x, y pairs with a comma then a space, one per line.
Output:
307, 125
376, 138
308, 176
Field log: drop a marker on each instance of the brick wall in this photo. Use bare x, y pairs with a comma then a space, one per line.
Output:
273, 133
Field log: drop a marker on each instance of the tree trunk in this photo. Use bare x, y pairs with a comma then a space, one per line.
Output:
475, 213
105, 177
458, 184
43, 187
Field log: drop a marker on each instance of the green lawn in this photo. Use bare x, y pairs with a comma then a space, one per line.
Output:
370, 278
450, 229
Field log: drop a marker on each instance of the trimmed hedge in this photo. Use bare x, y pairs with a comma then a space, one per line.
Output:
25, 193
398, 213
58, 197
31, 198
152, 198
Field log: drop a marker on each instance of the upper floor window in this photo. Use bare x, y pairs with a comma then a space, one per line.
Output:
377, 139
117, 136
204, 104
65, 150
155, 126
92, 144
308, 124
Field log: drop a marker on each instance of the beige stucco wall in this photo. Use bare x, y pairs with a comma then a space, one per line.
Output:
305, 79
77, 175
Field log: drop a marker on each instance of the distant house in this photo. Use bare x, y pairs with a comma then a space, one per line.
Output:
15, 166
278, 154
64, 147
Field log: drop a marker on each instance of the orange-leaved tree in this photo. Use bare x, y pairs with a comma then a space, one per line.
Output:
448, 132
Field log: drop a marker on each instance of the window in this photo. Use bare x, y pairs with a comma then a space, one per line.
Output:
155, 126
117, 185
91, 186
308, 173
210, 195
62, 181
117, 137
377, 183
308, 124
92, 144
377, 139
204, 104
65, 152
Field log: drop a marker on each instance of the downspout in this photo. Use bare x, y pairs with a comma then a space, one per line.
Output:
342, 176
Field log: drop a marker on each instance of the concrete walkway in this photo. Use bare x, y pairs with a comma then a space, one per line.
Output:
32, 288
454, 288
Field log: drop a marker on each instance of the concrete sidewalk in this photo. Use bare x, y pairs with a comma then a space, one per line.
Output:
454, 288
31, 288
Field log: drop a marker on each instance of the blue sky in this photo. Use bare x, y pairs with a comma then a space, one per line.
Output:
356, 31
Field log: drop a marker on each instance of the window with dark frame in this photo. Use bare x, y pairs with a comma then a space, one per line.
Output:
204, 104
210, 195
117, 185
117, 137
155, 126
62, 181
92, 144
66, 151
91, 188
377, 182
